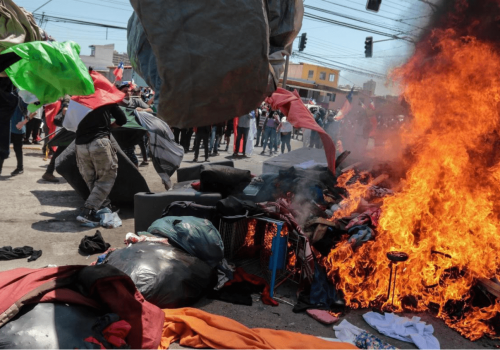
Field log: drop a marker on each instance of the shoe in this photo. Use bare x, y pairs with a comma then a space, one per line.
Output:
263, 152
244, 155
17, 172
88, 216
49, 177
111, 207
36, 142
144, 163
195, 159
27, 142
207, 159
215, 154
235, 154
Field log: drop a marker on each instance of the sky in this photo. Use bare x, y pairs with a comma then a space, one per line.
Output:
336, 44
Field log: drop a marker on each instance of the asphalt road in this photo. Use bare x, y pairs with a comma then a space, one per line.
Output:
37, 213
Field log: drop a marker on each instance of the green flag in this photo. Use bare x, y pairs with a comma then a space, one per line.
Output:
50, 70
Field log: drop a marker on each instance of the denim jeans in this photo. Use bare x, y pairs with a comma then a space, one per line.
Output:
269, 135
285, 141
214, 140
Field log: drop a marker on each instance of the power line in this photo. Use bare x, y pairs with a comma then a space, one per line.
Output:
351, 26
75, 21
111, 7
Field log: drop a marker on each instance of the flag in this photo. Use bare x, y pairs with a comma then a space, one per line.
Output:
51, 111
372, 104
49, 70
79, 106
312, 101
118, 72
362, 105
346, 107
299, 116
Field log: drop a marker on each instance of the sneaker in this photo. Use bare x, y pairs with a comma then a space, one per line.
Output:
27, 142
207, 159
144, 163
235, 154
263, 152
36, 142
49, 177
195, 160
244, 155
17, 172
88, 216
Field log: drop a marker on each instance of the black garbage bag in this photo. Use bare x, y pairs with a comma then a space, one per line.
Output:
223, 179
50, 326
213, 58
129, 180
196, 236
166, 276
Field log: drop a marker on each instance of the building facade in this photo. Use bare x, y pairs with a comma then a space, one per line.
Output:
370, 86
101, 57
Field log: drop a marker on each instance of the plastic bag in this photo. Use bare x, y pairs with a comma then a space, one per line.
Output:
165, 275
49, 326
196, 236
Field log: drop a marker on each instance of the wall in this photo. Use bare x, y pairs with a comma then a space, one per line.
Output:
102, 58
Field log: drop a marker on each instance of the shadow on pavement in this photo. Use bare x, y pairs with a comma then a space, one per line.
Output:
58, 198
64, 221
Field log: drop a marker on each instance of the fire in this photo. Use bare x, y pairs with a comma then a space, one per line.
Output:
446, 216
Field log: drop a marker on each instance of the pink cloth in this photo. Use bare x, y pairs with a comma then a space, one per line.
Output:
299, 116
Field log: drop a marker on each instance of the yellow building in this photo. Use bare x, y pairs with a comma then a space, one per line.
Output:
320, 75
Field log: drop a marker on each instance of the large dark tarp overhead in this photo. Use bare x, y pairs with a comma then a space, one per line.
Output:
214, 58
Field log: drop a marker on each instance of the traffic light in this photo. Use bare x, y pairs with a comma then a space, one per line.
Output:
369, 46
302, 41
373, 5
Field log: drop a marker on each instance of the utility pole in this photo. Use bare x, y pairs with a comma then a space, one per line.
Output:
106, 33
289, 50
42, 6
41, 19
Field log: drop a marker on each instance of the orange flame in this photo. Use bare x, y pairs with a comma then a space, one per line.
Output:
446, 216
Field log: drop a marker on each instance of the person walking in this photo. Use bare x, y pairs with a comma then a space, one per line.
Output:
228, 132
18, 123
286, 129
270, 126
242, 130
260, 125
96, 158
202, 133
33, 127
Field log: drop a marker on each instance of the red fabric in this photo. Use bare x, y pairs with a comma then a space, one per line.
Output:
116, 333
196, 185
240, 275
235, 130
299, 116
66, 295
115, 293
50, 113
369, 217
105, 93
93, 340
118, 73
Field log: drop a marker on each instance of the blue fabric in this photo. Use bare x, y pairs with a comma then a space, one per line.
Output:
18, 116
322, 291
359, 235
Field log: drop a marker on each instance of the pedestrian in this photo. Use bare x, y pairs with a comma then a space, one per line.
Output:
33, 127
260, 125
186, 135
315, 141
285, 129
96, 158
18, 123
270, 125
202, 133
215, 137
243, 129
58, 120
228, 132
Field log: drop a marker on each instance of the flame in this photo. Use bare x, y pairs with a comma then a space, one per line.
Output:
446, 216
357, 191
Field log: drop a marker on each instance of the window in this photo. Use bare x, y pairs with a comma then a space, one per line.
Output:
315, 95
331, 77
322, 76
92, 50
310, 75
332, 97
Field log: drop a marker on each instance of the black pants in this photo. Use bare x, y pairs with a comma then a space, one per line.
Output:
242, 133
32, 128
144, 151
185, 140
52, 164
285, 140
177, 134
201, 136
17, 141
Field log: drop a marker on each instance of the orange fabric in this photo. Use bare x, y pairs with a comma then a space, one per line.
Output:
51, 111
105, 93
199, 329
290, 104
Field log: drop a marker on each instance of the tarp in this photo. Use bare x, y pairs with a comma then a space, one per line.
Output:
103, 286
195, 328
213, 60
17, 26
166, 154
49, 70
291, 105
130, 133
